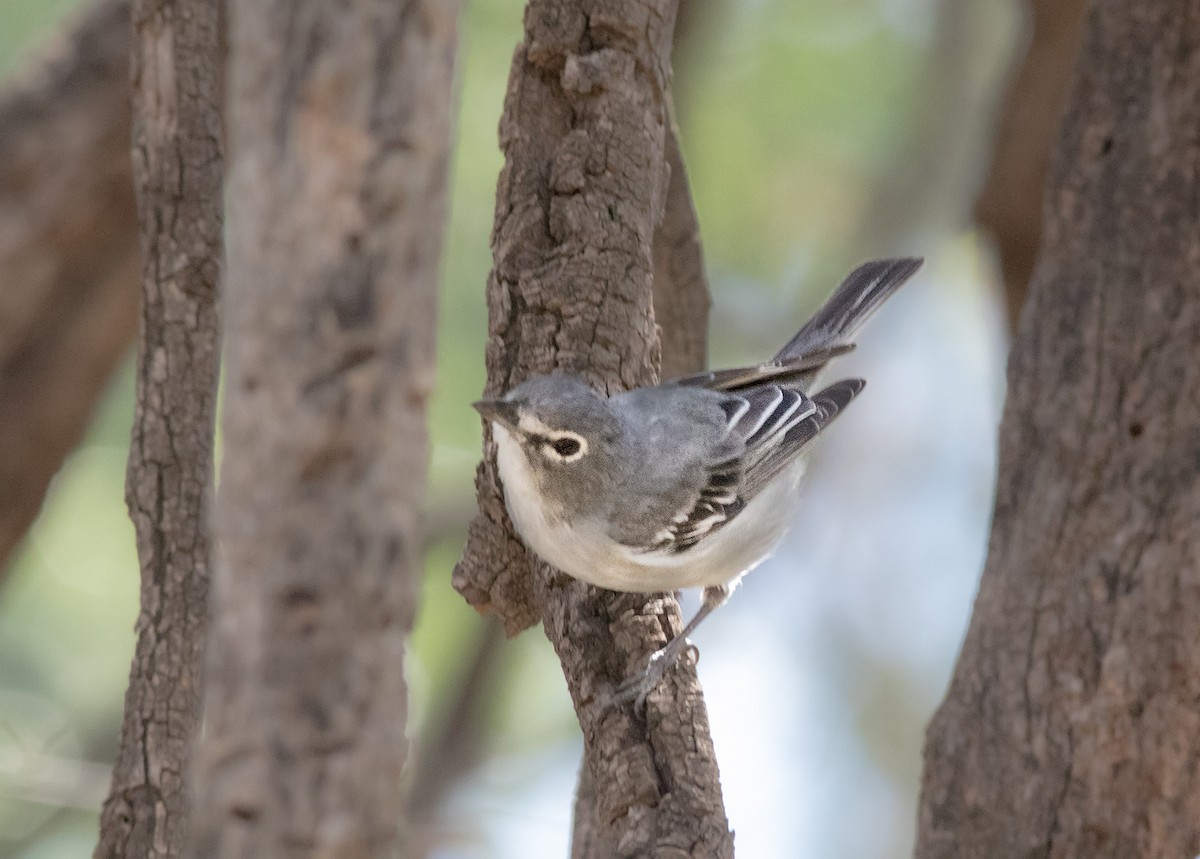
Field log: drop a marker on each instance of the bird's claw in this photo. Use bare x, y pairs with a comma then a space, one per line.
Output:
636, 689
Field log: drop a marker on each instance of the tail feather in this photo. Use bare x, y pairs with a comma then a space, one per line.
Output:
736, 378
859, 295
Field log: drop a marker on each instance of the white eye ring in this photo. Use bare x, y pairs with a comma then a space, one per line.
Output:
565, 446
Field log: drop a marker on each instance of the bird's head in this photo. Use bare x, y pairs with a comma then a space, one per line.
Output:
557, 421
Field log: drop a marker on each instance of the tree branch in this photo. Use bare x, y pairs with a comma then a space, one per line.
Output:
681, 305
681, 296
177, 165
1071, 724
340, 126
582, 191
68, 253
453, 746
1009, 205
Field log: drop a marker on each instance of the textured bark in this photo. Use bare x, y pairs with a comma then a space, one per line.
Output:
1009, 205
590, 838
340, 124
177, 168
68, 253
1072, 724
681, 305
584, 185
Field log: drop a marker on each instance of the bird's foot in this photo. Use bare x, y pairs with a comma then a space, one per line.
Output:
637, 688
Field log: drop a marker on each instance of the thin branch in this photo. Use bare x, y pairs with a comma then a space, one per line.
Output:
68, 253
1009, 205
177, 165
681, 296
681, 305
55, 781
453, 743
590, 838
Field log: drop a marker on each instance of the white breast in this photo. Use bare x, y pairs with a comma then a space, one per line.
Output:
586, 552
543, 531
521, 495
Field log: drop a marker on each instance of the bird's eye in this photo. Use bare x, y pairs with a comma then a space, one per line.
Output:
565, 446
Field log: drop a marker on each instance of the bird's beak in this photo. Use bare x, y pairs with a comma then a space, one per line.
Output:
498, 411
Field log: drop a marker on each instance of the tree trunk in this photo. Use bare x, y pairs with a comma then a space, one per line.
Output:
68, 253
1072, 725
340, 126
1009, 205
584, 130
177, 167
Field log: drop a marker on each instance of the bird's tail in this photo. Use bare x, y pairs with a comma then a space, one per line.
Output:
859, 295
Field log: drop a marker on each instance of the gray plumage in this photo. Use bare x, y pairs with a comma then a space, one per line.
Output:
688, 483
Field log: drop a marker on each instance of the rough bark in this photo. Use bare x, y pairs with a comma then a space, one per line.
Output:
1072, 724
1009, 205
68, 253
584, 185
590, 838
340, 124
681, 306
177, 169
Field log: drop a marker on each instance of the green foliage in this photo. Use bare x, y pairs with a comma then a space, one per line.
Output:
27, 23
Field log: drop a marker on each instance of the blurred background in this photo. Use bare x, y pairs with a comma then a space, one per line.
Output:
817, 133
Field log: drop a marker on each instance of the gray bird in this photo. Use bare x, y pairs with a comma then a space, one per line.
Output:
690, 483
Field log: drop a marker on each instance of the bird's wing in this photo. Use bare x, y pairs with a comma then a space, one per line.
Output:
768, 427
769, 418
768, 460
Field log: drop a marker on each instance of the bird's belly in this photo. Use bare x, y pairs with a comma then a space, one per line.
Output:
720, 559
586, 552
731, 552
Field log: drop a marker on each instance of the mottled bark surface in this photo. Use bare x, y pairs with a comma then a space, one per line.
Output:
582, 192
68, 252
1072, 725
1009, 205
177, 168
340, 126
590, 837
